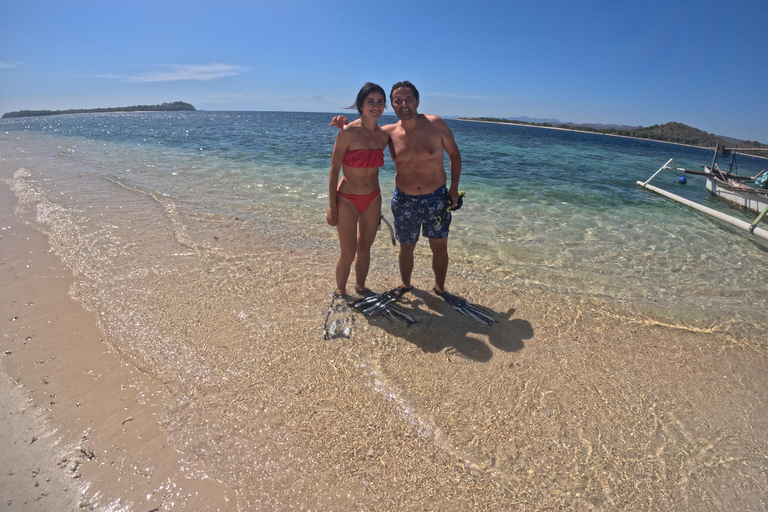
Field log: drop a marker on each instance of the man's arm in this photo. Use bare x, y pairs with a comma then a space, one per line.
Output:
454, 157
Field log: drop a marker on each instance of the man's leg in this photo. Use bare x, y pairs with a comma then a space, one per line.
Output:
405, 259
439, 248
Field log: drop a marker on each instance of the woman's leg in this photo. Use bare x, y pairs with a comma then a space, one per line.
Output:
367, 226
346, 226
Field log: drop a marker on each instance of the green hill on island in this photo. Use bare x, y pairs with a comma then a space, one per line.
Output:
684, 134
163, 107
677, 133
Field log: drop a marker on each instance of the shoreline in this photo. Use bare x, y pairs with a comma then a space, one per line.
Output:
599, 133
82, 426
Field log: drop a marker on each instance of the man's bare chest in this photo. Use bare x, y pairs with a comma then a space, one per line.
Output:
416, 148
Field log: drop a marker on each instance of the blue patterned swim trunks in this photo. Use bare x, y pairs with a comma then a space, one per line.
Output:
427, 213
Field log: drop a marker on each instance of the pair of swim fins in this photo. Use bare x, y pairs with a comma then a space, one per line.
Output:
384, 303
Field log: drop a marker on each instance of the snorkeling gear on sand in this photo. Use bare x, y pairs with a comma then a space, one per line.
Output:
383, 303
449, 206
339, 320
466, 309
459, 202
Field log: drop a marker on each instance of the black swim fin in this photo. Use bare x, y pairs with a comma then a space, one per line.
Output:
467, 309
384, 303
392, 313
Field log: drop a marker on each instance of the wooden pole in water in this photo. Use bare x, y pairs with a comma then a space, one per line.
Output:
733, 221
714, 158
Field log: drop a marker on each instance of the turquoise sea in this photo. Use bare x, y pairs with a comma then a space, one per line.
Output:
553, 209
199, 240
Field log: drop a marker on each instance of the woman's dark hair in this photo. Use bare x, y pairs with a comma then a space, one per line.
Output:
367, 89
404, 83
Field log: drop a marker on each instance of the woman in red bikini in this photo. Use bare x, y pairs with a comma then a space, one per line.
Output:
355, 200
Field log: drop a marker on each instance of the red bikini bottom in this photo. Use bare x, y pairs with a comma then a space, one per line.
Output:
361, 201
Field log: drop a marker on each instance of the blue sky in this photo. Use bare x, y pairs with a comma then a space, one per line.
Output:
702, 63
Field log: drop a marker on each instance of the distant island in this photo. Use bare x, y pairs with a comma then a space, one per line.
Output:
163, 107
677, 133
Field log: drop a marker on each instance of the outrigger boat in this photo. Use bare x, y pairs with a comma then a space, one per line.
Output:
732, 187
728, 186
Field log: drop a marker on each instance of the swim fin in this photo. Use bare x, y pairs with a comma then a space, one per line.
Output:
384, 303
369, 300
392, 313
467, 309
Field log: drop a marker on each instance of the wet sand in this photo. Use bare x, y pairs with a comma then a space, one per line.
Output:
567, 403
81, 429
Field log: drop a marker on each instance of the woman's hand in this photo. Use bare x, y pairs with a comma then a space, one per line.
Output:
339, 122
332, 216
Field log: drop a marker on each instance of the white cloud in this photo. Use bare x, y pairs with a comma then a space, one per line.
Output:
10, 64
179, 72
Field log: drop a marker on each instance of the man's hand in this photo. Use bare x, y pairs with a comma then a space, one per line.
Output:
454, 194
339, 122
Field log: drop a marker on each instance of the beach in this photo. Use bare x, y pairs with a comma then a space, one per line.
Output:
166, 356
81, 425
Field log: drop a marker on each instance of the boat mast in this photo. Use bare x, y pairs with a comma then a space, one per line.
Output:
714, 158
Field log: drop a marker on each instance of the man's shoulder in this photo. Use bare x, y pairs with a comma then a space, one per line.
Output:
433, 118
389, 128
436, 123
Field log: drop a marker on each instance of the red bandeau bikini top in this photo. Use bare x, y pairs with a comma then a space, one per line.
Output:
364, 158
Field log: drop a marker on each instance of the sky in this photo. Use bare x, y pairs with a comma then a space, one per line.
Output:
702, 63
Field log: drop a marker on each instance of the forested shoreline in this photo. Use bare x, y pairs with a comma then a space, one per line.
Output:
677, 133
163, 107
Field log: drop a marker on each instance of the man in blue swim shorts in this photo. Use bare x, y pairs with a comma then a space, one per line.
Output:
427, 214
417, 143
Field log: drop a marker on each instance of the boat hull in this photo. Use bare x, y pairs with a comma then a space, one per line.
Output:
742, 197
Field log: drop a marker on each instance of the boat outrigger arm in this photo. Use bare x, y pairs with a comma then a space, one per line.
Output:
754, 224
670, 165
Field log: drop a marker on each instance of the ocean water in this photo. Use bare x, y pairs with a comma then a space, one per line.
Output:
199, 239
547, 208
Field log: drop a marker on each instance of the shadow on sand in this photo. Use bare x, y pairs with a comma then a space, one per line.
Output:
440, 327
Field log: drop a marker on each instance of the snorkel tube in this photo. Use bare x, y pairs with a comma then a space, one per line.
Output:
391, 231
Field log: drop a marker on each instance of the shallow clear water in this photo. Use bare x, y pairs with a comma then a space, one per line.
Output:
549, 208
200, 242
